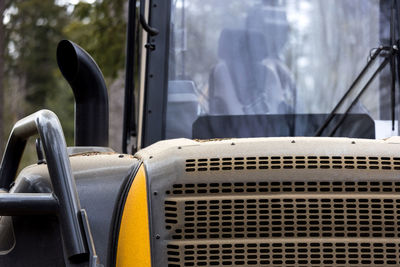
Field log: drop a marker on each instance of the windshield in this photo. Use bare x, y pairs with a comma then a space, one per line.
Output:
277, 68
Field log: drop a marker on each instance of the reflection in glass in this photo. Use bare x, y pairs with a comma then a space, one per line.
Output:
269, 57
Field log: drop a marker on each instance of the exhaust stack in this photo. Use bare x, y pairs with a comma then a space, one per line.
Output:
90, 91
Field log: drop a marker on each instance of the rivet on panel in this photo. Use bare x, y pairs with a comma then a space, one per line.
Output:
121, 156
293, 142
353, 142
157, 236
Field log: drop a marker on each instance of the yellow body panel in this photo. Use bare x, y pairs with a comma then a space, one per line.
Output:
134, 237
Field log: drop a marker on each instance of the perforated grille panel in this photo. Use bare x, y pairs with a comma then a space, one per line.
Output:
284, 223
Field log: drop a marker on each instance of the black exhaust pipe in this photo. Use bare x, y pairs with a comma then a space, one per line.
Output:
90, 91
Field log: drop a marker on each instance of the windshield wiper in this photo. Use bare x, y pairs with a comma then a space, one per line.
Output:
371, 60
389, 58
380, 68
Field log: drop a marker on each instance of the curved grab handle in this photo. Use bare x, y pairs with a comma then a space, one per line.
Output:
46, 124
152, 31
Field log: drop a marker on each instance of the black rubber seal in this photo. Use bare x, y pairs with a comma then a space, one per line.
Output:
118, 211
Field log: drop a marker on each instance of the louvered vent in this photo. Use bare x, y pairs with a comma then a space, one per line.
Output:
303, 254
284, 187
293, 162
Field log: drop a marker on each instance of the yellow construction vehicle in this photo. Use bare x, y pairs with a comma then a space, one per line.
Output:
263, 133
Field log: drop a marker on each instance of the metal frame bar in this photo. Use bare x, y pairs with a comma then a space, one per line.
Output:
46, 124
14, 204
156, 74
129, 128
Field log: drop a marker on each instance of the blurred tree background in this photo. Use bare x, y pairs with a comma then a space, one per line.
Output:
29, 75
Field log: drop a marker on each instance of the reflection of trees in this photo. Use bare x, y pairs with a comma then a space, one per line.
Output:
337, 43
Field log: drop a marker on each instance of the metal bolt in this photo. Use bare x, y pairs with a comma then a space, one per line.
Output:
151, 47
158, 236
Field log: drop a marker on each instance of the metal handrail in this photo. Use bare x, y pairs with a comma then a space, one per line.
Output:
46, 124
150, 30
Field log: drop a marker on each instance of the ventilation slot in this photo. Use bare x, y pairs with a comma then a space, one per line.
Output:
285, 254
292, 162
285, 187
